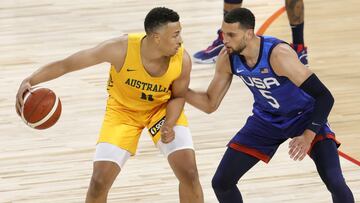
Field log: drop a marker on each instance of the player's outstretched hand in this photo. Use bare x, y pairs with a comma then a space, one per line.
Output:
167, 134
299, 146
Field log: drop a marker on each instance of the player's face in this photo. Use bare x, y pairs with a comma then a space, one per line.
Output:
169, 39
234, 37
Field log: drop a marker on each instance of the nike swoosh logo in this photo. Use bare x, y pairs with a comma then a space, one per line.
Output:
239, 71
315, 124
130, 70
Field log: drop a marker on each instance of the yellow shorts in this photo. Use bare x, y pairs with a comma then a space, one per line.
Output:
122, 127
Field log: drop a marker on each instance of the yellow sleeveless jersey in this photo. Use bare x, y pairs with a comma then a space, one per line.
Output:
134, 88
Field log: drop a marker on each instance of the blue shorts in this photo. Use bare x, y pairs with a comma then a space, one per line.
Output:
261, 139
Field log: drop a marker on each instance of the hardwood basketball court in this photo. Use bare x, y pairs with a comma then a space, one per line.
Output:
55, 165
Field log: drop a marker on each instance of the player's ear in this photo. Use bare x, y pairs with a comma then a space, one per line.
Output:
249, 33
156, 37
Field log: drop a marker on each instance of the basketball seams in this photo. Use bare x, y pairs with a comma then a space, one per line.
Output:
39, 106
46, 118
25, 99
53, 119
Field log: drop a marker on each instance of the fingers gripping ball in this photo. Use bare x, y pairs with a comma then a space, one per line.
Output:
41, 109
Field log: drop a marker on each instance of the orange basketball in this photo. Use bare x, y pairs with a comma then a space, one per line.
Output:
41, 109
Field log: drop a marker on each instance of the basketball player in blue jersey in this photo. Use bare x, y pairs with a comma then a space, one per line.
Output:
290, 102
295, 13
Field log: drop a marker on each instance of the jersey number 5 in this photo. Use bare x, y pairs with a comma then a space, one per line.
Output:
271, 100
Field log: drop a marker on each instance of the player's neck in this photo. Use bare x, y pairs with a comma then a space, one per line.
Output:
251, 52
150, 52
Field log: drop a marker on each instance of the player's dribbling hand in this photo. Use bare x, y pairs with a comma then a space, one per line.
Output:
167, 134
299, 146
24, 87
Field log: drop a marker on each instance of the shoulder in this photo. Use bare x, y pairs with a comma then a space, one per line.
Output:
186, 61
282, 50
116, 44
115, 50
281, 56
186, 57
285, 62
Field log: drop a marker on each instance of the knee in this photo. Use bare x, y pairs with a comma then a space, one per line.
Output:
219, 183
335, 185
334, 182
98, 186
191, 176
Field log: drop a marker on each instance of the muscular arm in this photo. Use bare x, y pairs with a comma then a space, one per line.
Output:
179, 88
210, 100
108, 51
177, 101
112, 51
285, 63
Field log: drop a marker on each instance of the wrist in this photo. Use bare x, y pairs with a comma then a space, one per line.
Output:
27, 80
309, 134
168, 124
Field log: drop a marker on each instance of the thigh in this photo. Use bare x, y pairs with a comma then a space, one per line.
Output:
106, 152
183, 164
122, 135
180, 154
157, 120
182, 140
119, 128
326, 158
104, 175
257, 139
325, 154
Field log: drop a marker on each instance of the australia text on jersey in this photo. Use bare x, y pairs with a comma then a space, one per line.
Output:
145, 86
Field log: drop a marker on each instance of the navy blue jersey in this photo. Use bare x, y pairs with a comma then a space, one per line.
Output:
276, 98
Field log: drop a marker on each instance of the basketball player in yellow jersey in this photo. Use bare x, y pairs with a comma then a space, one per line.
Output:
149, 77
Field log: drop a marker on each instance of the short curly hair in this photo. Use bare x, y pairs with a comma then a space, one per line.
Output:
158, 17
241, 15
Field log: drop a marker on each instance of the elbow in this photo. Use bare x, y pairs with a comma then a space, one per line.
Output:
208, 111
213, 105
331, 100
211, 109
